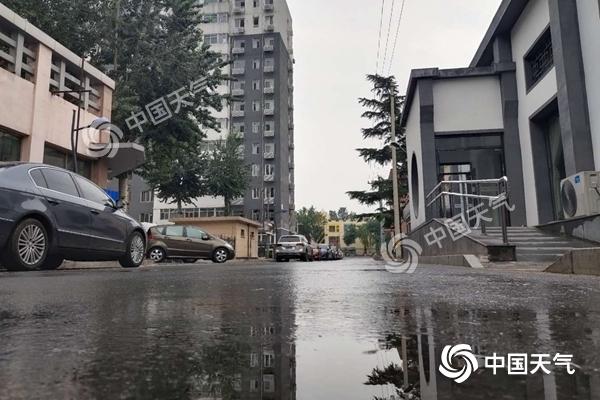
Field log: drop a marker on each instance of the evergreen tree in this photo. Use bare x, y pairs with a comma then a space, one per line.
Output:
378, 113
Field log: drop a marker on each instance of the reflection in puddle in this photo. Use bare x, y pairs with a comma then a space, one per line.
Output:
296, 337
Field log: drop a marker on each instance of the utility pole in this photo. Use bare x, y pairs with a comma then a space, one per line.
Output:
397, 227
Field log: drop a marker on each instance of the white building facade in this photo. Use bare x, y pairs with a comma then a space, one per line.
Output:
528, 107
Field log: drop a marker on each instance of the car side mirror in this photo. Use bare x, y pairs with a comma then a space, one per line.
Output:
205, 237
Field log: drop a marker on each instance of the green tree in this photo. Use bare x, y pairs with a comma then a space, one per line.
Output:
227, 175
311, 223
350, 234
378, 113
343, 214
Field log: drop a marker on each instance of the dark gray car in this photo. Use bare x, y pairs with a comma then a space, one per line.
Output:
48, 215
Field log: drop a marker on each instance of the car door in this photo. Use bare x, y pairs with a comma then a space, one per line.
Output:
70, 211
198, 242
175, 240
107, 228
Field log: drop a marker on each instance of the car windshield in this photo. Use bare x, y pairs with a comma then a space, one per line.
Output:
290, 239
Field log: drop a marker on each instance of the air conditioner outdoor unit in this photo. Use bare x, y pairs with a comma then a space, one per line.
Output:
580, 194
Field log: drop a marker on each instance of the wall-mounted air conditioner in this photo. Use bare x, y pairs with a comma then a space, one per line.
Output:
580, 194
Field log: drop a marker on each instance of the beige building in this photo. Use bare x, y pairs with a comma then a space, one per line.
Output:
242, 233
334, 236
35, 124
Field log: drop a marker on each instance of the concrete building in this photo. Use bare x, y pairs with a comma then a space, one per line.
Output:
527, 107
35, 124
257, 36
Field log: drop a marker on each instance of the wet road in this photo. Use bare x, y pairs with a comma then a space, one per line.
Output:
290, 331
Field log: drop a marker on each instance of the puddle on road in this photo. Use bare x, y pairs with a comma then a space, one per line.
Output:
227, 340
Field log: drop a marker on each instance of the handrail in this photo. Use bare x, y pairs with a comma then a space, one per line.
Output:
475, 181
470, 196
502, 186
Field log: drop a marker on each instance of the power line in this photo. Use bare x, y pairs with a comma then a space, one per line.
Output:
388, 34
379, 40
396, 38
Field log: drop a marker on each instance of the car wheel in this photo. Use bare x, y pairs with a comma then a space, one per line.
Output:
27, 248
157, 255
52, 263
220, 255
136, 249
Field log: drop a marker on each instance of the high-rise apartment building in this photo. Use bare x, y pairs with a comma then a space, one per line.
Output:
256, 35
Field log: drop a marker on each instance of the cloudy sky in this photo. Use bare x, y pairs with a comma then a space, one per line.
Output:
335, 46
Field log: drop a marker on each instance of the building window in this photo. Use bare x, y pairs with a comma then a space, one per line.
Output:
269, 169
255, 170
253, 360
255, 85
269, 105
256, 127
256, 64
539, 60
255, 193
268, 358
256, 43
10, 147
58, 158
147, 196
256, 22
332, 229
255, 149
269, 383
256, 106
147, 218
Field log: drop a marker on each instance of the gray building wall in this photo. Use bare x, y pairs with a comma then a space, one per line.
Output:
282, 97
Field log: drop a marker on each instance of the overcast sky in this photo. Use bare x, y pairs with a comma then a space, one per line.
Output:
335, 47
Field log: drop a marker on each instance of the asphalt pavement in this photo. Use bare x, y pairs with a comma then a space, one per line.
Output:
322, 330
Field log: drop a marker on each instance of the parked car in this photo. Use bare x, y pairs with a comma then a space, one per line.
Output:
293, 247
336, 253
48, 215
188, 244
324, 252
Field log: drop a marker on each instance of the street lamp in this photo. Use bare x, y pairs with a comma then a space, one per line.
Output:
96, 124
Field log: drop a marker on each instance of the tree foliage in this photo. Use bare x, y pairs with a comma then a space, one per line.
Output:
378, 113
350, 234
227, 175
311, 223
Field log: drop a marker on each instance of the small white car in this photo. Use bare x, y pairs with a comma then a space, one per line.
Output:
293, 247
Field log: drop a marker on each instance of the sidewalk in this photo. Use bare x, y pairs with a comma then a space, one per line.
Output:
71, 265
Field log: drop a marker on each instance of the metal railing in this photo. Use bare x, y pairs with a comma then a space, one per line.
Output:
441, 199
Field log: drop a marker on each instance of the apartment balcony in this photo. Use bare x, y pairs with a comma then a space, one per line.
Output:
269, 112
269, 178
269, 201
291, 107
238, 114
237, 92
239, 10
269, 7
269, 28
269, 90
268, 47
238, 71
238, 50
292, 146
269, 68
269, 155
269, 133
291, 126
239, 30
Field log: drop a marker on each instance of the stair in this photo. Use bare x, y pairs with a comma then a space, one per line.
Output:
532, 244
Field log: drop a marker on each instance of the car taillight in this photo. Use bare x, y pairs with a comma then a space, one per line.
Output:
150, 237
